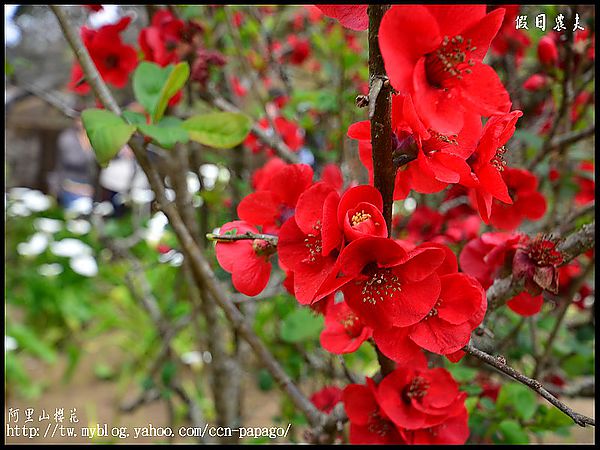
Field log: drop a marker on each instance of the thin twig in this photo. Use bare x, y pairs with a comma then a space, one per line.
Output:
535, 385
270, 238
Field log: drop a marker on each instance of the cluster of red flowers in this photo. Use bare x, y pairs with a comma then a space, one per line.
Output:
412, 405
167, 40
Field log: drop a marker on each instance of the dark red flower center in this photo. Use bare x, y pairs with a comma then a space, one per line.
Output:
434, 311
378, 284
450, 60
416, 389
543, 252
378, 425
313, 243
352, 325
263, 248
498, 159
111, 61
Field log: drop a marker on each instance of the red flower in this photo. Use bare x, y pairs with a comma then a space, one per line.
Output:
327, 398
587, 186
525, 304
547, 51
276, 197
350, 16
536, 260
160, 41
487, 163
344, 332
369, 424
416, 398
535, 82
384, 284
299, 49
440, 159
424, 224
484, 257
204, 60
304, 244
333, 175
443, 68
246, 260
359, 213
113, 59
528, 203
459, 309
454, 430
292, 135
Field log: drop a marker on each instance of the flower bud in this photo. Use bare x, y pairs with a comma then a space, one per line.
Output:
547, 51
535, 82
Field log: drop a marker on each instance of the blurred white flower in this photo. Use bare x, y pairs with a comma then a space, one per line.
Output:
156, 228
209, 173
80, 207
79, 226
36, 200
410, 204
17, 193
18, 209
177, 260
170, 194
224, 175
10, 343
104, 209
70, 247
35, 246
47, 225
50, 270
193, 358
84, 265
193, 183
142, 196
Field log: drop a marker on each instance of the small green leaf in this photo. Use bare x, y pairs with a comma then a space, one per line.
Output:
167, 133
154, 86
301, 325
134, 118
219, 129
519, 397
177, 78
107, 132
512, 432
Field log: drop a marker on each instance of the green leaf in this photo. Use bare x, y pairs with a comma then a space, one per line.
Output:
167, 133
512, 432
518, 397
219, 129
301, 325
552, 418
462, 374
107, 132
134, 118
154, 86
30, 341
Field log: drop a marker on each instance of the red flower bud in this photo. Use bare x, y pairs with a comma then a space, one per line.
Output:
547, 51
535, 82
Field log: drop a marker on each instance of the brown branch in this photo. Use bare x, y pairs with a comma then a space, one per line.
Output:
535, 385
380, 115
202, 272
270, 238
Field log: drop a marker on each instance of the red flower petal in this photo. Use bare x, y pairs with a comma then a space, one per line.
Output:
353, 17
